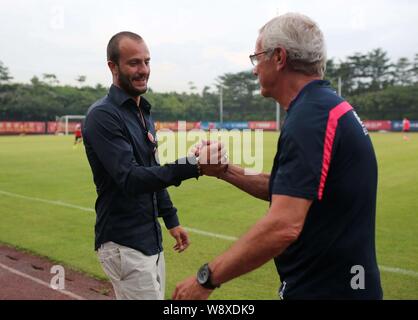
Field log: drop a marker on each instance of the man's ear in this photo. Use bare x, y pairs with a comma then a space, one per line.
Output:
113, 67
280, 57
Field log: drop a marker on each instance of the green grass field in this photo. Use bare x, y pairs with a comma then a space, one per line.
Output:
42, 175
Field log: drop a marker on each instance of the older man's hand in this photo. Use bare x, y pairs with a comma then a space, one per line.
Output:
190, 289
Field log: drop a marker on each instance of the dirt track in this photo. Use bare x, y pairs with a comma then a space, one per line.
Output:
27, 277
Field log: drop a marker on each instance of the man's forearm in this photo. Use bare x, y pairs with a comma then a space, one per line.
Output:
256, 185
268, 238
141, 179
263, 242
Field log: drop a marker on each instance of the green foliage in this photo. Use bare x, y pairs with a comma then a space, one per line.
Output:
241, 98
378, 88
363, 73
4, 73
393, 103
41, 101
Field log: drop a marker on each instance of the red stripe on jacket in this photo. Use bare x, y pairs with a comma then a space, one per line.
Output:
334, 115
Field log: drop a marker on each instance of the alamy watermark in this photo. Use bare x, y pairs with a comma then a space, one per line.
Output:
358, 281
244, 147
58, 280
57, 18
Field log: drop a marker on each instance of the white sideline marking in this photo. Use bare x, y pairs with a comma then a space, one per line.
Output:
400, 271
197, 231
38, 281
58, 203
210, 234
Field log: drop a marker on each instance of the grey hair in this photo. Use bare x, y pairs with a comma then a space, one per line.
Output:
302, 39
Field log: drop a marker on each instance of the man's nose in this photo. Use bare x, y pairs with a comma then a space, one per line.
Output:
142, 68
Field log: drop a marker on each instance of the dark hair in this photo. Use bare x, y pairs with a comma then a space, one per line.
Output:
113, 53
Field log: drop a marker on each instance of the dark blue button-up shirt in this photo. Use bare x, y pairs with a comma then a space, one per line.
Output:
130, 183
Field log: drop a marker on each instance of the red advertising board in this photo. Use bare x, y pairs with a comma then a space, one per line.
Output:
265, 125
378, 125
166, 125
72, 126
52, 126
175, 126
38, 127
22, 127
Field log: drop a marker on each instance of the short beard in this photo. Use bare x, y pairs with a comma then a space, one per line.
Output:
126, 84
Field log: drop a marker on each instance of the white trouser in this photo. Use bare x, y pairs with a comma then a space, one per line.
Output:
134, 276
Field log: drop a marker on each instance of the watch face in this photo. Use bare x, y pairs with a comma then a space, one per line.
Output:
203, 274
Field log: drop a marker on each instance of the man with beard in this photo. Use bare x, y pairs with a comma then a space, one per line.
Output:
119, 137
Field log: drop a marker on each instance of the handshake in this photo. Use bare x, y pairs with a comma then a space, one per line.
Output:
211, 157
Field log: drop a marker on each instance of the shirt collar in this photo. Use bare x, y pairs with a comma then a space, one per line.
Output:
307, 87
120, 97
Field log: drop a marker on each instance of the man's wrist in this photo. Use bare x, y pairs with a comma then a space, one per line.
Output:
224, 172
204, 277
193, 160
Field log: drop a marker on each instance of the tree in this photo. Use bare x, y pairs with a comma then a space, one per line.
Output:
394, 102
403, 72
35, 81
331, 70
4, 73
356, 69
50, 78
205, 91
378, 68
345, 71
192, 86
241, 98
377, 89
414, 69
361, 72
100, 87
81, 79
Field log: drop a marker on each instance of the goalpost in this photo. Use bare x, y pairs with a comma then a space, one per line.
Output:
66, 124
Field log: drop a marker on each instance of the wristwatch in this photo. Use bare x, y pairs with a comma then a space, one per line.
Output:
203, 278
